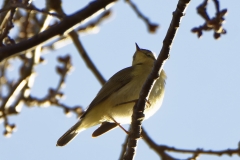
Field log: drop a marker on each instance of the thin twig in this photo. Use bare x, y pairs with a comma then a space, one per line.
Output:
214, 23
76, 40
94, 23
29, 7
85, 57
8, 26
152, 27
65, 39
162, 150
53, 95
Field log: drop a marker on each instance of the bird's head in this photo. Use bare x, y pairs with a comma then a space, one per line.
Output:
143, 56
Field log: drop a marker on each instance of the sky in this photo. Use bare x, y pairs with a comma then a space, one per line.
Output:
201, 103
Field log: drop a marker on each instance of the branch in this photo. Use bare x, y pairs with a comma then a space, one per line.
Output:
95, 23
29, 7
214, 23
162, 150
64, 40
151, 26
85, 57
53, 95
8, 26
138, 109
11, 104
58, 29
76, 40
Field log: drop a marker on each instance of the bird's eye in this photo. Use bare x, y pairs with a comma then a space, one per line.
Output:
148, 54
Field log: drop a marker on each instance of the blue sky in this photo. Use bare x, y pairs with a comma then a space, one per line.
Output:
201, 104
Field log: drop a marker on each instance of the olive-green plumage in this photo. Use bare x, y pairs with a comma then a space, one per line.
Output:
117, 97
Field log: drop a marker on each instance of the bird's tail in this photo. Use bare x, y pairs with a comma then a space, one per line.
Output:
70, 134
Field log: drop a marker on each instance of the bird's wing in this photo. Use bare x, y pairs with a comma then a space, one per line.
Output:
116, 82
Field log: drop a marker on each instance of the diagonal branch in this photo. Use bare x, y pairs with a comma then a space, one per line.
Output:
138, 109
152, 27
88, 27
85, 57
58, 29
76, 40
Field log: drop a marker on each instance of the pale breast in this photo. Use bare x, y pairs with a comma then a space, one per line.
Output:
124, 99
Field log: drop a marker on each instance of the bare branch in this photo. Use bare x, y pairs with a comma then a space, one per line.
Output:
138, 109
8, 27
53, 95
76, 40
94, 23
214, 23
55, 30
85, 57
64, 40
162, 150
34, 8
152, 27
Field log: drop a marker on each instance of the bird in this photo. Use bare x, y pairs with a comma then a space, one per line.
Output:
113, 104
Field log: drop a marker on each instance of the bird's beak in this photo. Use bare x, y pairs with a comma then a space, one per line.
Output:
137, 48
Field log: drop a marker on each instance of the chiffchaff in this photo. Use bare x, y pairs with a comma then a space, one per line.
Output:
113, 105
